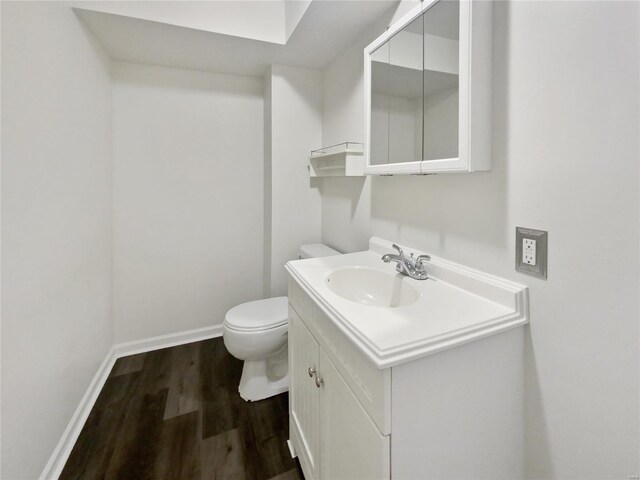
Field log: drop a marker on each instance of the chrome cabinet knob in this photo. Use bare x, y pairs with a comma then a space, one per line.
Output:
319, 381
311, 371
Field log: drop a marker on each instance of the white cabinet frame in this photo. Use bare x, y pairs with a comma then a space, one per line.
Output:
474, 116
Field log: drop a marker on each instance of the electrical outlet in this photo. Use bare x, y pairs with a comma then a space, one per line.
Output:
531, 251
528, 251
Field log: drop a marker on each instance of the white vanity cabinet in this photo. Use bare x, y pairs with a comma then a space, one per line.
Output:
456, 413
332, 433
304, 395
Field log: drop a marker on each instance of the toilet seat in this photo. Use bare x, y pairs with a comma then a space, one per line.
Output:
258, 315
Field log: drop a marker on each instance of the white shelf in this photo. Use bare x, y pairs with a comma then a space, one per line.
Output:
342, 160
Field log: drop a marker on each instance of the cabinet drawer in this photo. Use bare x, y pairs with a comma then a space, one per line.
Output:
370, 385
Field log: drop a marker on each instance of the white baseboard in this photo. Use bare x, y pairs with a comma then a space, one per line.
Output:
60, 455
292, 449
164, 341
56, 463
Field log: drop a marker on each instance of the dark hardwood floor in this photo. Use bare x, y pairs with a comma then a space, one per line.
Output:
176, 414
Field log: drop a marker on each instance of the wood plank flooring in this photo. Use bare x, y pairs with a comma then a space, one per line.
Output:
176, 414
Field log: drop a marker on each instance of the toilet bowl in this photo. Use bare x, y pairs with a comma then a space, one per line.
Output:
256, 332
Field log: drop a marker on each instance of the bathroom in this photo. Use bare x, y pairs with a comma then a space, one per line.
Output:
157, 172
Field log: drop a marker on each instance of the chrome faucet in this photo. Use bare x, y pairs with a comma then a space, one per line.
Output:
408, 266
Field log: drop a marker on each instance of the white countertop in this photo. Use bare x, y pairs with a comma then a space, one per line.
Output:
456, 305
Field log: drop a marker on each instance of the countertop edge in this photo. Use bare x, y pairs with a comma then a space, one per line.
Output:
420, 348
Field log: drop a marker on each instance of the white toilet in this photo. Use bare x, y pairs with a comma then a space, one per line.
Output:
256, 332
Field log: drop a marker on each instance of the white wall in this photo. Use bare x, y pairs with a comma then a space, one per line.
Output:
188, 182
566, 120
56, 226
296, 129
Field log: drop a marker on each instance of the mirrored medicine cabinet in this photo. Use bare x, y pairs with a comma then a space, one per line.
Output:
428, 91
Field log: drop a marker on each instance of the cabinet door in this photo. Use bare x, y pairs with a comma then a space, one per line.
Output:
352, 446
303, 395
428, 91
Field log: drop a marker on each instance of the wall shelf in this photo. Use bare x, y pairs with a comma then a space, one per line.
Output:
341, 160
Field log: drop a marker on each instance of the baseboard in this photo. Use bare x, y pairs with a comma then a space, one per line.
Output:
56, 463
59, 457
165, 341
292, 449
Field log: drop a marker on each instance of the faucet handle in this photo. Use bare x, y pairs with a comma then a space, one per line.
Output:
418, 263
400, 252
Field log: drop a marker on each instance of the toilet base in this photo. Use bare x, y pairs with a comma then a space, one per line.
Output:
265, 378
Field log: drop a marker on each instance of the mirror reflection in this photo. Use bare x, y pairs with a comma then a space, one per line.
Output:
396, 97
441, 81
414, 90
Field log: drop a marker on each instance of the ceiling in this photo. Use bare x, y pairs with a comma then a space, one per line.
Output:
325, 29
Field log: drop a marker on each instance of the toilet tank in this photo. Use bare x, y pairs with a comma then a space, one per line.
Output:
315, 250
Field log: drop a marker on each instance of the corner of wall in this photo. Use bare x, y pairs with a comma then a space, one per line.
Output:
266, 218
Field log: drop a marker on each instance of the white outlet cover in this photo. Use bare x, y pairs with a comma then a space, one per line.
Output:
528, 251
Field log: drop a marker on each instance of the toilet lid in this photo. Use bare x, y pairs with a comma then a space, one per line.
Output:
258, 315
317, 250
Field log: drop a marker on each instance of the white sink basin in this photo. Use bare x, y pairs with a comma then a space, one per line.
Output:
372, 287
